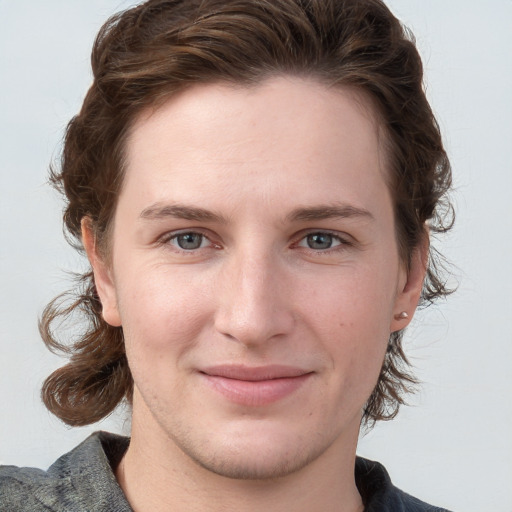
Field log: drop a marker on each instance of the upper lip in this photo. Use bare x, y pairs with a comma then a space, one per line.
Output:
254, 373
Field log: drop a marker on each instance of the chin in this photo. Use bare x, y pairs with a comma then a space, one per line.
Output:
257, 455
254, 466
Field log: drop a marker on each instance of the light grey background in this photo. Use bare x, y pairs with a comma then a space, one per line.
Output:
453, 447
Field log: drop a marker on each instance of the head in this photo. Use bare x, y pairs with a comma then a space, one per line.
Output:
146, 57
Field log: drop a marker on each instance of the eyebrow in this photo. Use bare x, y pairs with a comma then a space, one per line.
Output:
323, 212
159, 211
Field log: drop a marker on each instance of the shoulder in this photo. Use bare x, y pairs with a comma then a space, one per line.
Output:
19, 488
380, 495
34, 490
79, 480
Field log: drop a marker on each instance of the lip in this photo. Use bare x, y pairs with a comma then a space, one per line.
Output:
255, 386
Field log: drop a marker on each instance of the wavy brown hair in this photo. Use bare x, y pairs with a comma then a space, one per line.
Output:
143, 56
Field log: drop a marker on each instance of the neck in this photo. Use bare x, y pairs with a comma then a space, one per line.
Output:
156, 475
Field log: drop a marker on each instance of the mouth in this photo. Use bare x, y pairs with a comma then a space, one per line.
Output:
255, 386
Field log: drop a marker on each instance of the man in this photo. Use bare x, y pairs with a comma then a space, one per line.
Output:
251, 182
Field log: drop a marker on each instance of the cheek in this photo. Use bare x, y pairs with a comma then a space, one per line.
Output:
161, 314
352, 317
360, 300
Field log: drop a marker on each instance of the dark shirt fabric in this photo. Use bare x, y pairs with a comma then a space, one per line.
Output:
83, 481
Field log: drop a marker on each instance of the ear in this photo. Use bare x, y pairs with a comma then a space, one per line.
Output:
102, 275
408, 294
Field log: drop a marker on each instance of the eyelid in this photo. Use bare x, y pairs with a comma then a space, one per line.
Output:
344, 239
166, 238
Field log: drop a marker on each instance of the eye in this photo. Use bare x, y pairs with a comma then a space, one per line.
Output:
320, 241
189, 241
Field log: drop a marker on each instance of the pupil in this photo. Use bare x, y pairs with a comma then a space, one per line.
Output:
189, 241
320, 241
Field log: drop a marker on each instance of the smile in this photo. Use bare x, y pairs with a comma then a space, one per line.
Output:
255, 386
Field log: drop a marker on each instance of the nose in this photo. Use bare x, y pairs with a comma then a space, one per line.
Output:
253, 302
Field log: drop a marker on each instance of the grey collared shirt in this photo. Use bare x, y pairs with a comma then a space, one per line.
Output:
83, 481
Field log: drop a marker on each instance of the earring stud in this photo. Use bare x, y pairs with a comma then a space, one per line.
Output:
402, 316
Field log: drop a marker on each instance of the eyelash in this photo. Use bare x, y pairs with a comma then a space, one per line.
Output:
167, 240
342, 242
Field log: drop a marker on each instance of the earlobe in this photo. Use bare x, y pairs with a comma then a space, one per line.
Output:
409, 295
102, 275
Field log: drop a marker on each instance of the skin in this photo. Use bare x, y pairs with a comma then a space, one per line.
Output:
292, 260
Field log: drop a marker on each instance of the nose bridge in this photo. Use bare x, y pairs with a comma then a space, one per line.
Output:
252, 303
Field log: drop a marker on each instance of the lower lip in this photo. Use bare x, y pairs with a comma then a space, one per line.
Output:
256, 393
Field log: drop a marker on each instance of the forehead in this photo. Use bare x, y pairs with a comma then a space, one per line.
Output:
261, 102
292, 131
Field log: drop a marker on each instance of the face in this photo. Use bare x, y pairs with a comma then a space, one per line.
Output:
255, 272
